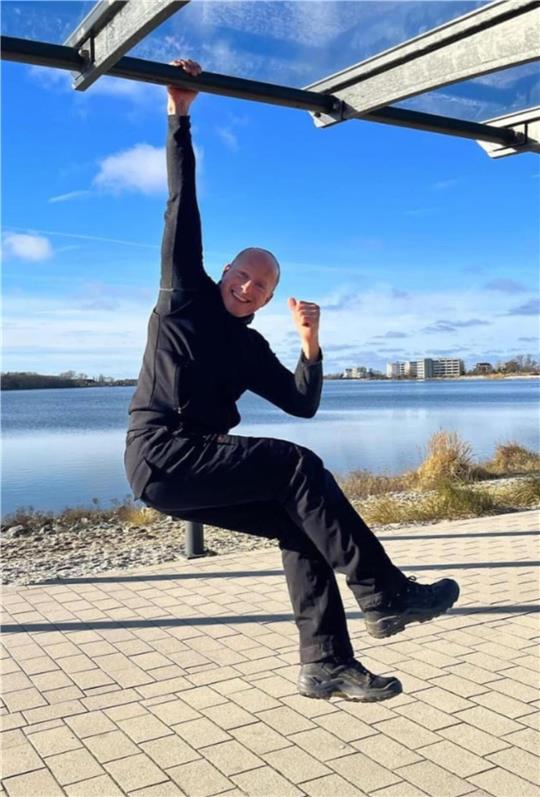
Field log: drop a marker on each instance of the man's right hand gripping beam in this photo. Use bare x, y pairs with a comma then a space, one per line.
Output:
179, 100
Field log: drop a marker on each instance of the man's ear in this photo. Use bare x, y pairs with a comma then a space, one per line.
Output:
226, 268
270, 297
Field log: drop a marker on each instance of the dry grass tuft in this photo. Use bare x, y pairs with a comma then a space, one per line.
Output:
447, 502
448, 458
136, 515
126, 512
523, 493
363, 483
512, 458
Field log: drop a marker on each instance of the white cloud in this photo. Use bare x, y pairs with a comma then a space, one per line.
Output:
99, 238
45, 333
69, 196
49, 78
356, 318
108, 86
442, 185
103, 326
26, 247
141, 168
229, 138
306, 23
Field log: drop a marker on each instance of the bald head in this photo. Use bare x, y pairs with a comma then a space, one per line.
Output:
248, 282
256, 254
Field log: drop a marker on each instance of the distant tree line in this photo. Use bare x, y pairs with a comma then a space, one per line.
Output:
30, 380
520, 364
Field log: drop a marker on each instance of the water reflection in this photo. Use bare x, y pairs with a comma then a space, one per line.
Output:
52, 470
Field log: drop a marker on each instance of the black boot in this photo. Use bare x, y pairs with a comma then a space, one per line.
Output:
387, 614
345, 678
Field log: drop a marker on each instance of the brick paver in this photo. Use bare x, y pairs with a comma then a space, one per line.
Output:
179, 679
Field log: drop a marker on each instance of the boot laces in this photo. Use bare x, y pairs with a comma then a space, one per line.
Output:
354, 664
417, 590
413, 589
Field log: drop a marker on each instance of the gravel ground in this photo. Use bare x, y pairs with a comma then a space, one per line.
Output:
60, 549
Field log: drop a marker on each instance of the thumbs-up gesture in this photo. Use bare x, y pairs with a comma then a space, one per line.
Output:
306, 316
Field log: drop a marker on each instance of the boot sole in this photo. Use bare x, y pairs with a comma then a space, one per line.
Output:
393, 624
373, 697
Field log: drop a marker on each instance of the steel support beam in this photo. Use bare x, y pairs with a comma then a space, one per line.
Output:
111, 29
61, 57
525, 122
431, 123
503, 34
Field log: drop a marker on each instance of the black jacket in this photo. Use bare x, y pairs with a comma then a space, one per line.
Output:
199, 358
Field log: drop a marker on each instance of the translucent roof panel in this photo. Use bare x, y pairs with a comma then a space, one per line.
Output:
296, 43
485, 97
43, 21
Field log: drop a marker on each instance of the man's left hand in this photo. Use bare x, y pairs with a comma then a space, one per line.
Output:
306, 316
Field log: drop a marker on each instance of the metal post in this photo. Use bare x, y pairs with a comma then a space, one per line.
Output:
194, 539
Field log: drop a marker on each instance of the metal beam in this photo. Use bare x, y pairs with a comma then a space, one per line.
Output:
61, 57
526, 122
503, 34
111, 29
431, 123
94, 21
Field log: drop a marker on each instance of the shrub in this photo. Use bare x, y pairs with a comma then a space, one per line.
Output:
519, 494
448, 458
512, 458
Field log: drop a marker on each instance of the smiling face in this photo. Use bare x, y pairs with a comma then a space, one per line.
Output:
248, 282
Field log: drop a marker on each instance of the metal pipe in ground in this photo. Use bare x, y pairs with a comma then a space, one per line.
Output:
194, 539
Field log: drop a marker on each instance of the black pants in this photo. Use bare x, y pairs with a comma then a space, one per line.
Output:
276, 489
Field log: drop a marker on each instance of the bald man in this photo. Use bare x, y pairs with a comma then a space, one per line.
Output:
180, 459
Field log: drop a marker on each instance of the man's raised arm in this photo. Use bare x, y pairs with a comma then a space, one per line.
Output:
181, 250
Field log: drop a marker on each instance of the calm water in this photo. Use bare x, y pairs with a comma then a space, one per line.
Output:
65, 447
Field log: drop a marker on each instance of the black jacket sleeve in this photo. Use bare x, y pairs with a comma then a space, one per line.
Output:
181, 249
297, 394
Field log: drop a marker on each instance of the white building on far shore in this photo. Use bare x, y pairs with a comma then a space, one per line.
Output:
426, 368
397, 369
358, 372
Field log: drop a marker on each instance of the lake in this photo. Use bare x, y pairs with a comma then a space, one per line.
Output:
65, 447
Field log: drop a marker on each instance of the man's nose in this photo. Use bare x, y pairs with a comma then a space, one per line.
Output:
246, 286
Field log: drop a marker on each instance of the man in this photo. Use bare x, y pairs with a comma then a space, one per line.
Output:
201, 355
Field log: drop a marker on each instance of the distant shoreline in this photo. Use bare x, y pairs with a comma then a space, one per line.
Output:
489, 377
119, 383
133, 382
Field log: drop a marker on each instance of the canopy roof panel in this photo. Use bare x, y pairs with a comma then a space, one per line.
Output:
297, 43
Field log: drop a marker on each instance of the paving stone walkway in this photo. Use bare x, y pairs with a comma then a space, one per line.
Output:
179, 679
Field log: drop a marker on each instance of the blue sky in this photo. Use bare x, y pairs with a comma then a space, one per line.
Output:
414, 244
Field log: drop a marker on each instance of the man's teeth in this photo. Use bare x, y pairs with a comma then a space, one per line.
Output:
239, 298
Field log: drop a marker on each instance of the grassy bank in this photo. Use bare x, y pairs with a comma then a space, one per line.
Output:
448, 484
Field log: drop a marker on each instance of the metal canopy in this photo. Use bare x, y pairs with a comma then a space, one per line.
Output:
498, 36
61, 57
527, 121
111, 29
502, 34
